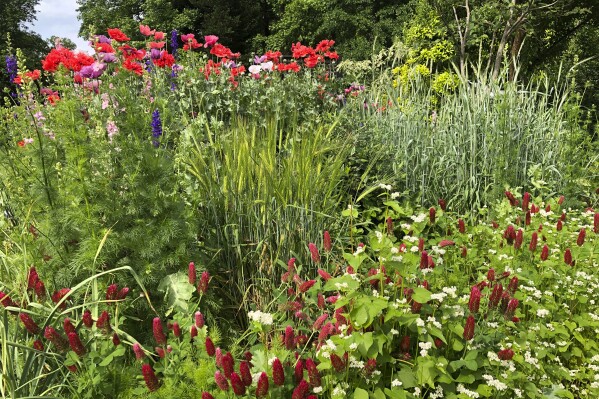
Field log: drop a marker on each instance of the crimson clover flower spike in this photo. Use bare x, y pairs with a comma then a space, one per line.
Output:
221, 380
150, 377
533, 241
262, 388
191, 273
469, 328
327, 242
158, 331
314, 252
30, 325
245, 373
278, 375
581, 237
237, 384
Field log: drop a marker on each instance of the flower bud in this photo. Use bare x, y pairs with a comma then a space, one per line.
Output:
245, 372
511, 308
207, 395
38, 345
431, 214
111, 292
519, 238
298, 371
313, 374
116, 341
289, 338
76, 344
442, 204
87, 319
203, 283
199, 319
301, 390
495, 296
139, 352
338, 363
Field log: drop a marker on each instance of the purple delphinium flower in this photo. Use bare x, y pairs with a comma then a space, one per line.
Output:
11, 67
156, 127
174, 42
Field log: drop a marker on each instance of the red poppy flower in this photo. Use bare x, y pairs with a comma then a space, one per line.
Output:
118, 35
133, 66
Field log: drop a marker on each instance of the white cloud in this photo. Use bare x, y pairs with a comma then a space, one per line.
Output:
59, 18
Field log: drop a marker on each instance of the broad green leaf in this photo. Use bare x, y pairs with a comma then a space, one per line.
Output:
177, 292
359, 393
421, 295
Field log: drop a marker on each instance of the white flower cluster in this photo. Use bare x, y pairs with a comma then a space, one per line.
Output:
542, 312
386, 187
471, 394
425, 346
438, 394
418, 219
261, 317
396, 383
492, 382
